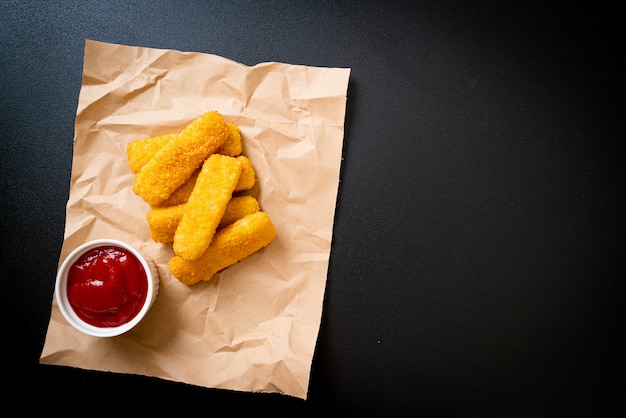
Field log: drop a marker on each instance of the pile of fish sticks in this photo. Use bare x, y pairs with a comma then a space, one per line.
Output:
193, 181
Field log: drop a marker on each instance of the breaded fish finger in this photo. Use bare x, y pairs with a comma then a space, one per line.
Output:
181, 195
206, 205
140, 151
178, 159
163, 221
247, 180
248, 175
237, 208
232, 147
229, 246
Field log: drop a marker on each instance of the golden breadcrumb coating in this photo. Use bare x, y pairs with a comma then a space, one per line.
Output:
163, 221
247, 180
229, 246
173, 164
233, 146
248, 175
181, 195
237, 208
206, 205
140, 151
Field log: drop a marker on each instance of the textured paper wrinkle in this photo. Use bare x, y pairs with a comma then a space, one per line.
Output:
254, 326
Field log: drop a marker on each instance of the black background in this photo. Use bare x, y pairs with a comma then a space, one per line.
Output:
478, 242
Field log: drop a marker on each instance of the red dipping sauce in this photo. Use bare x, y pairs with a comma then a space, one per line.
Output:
107, 286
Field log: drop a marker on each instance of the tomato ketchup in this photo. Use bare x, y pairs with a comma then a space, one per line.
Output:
107, 286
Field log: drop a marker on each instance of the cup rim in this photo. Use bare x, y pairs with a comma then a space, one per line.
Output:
65, 307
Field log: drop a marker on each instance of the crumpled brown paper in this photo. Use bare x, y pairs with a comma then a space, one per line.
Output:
255, 325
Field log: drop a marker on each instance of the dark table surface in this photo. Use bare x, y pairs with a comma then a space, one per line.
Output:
479, 234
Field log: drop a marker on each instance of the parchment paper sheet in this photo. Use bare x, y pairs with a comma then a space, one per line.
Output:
253, 327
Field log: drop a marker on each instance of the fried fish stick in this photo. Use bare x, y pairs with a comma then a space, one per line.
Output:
181, 195
206, 205
178, 159
232, 147
248, 175
140, 151
237, 208
247, 179
229, 246
163, 221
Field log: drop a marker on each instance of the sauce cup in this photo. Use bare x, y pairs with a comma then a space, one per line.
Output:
105, 287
